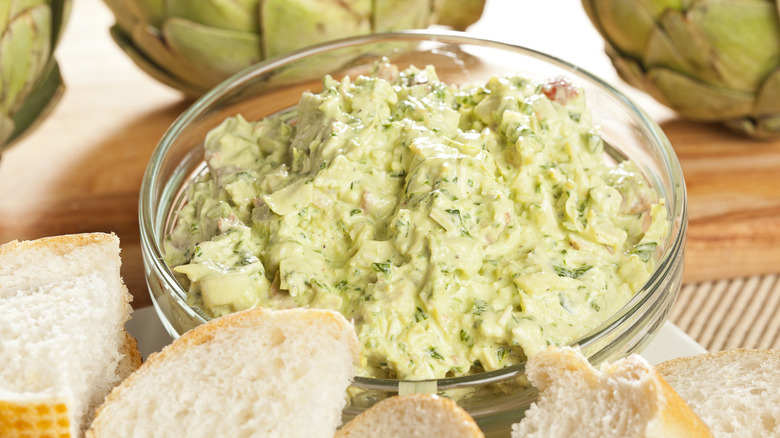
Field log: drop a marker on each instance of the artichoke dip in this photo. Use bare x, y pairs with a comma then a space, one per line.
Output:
462, 228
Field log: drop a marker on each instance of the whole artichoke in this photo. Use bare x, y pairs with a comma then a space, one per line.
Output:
30, 81
192, 45
710, 60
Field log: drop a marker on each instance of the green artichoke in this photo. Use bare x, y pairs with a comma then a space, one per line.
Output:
30, 81
709, 60
194, 45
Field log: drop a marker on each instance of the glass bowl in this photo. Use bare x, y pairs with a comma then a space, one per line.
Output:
495, 399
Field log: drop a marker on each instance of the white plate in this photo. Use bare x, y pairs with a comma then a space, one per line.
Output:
670, 342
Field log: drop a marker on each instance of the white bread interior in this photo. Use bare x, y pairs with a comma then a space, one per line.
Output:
735, 392
63, 345
623, 399
255, 373
412, 416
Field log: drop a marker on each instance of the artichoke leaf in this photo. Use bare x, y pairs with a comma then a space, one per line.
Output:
689, 44
761, 128
10, 9
388, 15
6, 129
25, 48
60, 11
457, 14
628, 24
151, 12
698, 100
593, 16
743, 40
768, 127
288, 25
127, 14
634, 74
39, 103
125, 42
768, 99
728, 43
212, 54
240, 15
150, 41
661, 52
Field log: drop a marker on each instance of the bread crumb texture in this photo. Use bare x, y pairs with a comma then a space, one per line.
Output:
734, 391
255, 373
623, 399
63, 307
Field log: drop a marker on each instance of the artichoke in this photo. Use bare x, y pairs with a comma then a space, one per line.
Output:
194, 45
30, 81
709, 60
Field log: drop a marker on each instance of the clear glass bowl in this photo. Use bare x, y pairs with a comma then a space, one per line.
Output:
495, 399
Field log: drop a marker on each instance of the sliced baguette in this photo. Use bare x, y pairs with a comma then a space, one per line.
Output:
412, 416
256, 373
735, 392
624, 399
63, 345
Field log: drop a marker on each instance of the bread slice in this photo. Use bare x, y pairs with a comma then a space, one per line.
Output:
624, 399
63, 345
736, 392
255, 373
412, 416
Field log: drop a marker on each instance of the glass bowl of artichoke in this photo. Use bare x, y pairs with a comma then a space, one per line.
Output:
465, 203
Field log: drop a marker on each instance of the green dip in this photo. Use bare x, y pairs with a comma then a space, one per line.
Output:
461, 228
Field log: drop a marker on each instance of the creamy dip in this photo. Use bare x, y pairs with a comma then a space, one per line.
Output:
461, 228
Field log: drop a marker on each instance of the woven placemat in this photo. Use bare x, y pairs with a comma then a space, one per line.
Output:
738, 313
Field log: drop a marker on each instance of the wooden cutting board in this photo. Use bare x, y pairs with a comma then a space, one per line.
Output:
81, 170
734, 201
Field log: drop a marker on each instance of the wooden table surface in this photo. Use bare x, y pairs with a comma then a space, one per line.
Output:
81, 170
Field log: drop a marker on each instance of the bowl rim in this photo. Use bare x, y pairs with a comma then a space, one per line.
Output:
675, 238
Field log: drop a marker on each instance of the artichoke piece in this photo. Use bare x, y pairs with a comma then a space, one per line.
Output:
192, 45
129, 14
388, 15
148, 42
125, 42
30, 82
628, 24
750, 47
731, 43
288, 25
768, 102
212, 53
697, 100
712, 60
240, 15
24, 51
39, 103
458, 14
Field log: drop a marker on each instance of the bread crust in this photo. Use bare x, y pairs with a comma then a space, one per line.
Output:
61, 245
132, 359
677, 419
463, 424
734, 354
